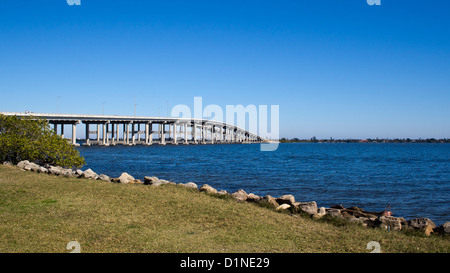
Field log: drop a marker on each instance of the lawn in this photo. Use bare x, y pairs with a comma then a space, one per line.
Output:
42, 213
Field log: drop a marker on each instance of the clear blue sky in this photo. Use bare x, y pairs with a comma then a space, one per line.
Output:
337, 68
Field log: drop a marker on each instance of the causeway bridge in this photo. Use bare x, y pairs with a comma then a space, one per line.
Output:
109, 130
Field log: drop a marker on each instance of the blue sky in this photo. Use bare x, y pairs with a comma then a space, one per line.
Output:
336, 68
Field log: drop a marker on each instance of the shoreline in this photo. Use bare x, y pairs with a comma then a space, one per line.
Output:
285, 202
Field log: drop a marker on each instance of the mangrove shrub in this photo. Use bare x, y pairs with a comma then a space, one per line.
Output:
32, 139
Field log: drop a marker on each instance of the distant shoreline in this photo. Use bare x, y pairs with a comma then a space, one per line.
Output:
368, 140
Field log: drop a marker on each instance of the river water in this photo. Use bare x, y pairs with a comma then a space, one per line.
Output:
413, 178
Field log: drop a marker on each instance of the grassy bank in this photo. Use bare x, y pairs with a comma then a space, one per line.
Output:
42, 213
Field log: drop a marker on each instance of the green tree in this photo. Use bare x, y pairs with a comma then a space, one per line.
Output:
31, 138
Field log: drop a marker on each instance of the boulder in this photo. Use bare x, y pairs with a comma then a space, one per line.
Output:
104, 177
443, 229
222, 192
151, 180
78, 172
346, 215
7, 163
190, 185
423, 224
390, 222
29, 166
207, 188
270, 201
363, 221
43, 170
67, 172
334, 212
308, 207
321, 212
54, 170
240, 195
163, 181
155, 183
89, 174
253, 197
125, 178
283, 207
22, 163
286, 199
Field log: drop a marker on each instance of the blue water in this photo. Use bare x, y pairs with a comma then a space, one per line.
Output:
413, 178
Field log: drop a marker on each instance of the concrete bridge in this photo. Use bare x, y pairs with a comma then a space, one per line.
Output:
131, 130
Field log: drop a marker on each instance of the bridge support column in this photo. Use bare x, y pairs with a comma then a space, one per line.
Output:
113, 135
74, 134
194, 132
105, 135
146, 133
186, 134
203, 133
175, 133
117, 132
150, 137
162, 133
87, 135
139, 132
133, 132
127, 140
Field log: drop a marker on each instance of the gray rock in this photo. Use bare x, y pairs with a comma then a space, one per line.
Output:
283, 207
253, 198
334, 212
67, 172
7, 163
155, 183
55, 170
444, 229
207, 188
89, 174
149, 180
240, 195
270, 201
22, 163
321, 212
163, 181
125, 178
423, 224
363, 221
78, 172
43, 170
394, 223
286, 199
308, 207
104, 177
191, 185
30, 166
222, 192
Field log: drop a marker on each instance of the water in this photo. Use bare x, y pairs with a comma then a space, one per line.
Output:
413, 178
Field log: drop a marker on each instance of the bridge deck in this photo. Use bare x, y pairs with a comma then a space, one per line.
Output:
126, 130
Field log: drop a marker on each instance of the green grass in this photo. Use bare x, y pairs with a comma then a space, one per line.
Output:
42, 213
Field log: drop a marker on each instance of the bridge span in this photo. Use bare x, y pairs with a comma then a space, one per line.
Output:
131, 130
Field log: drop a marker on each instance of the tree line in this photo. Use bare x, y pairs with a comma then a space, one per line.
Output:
368, 140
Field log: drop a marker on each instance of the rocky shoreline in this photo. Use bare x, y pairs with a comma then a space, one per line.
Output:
285, 203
